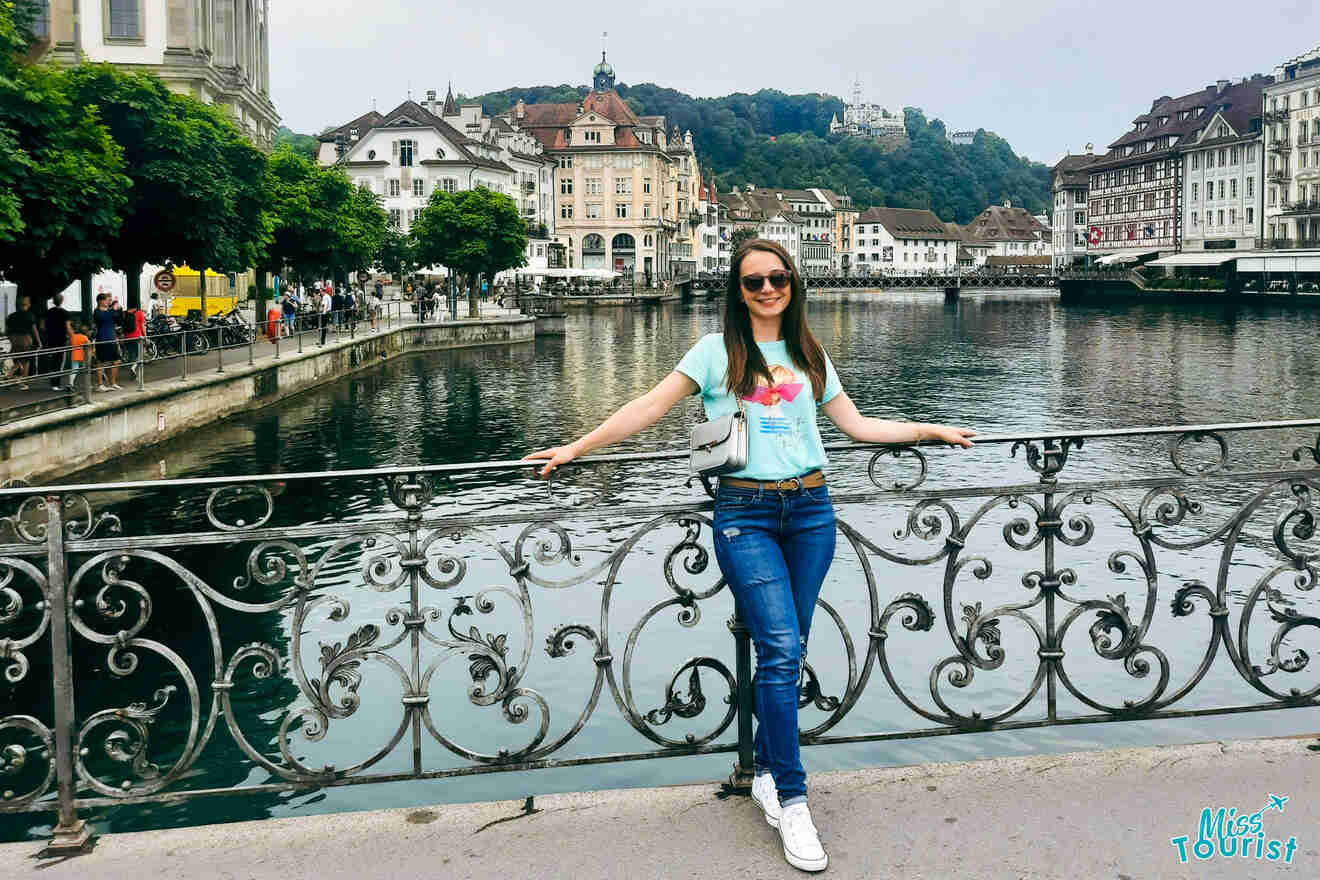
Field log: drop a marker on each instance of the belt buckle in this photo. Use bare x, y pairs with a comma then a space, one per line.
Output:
779, 486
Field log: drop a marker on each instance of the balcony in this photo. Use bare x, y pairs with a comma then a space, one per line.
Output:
1283, 147
1272, 116
529, 186
1279, 175
1285, 244
1311, 206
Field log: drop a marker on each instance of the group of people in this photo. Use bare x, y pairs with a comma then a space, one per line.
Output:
55, 347
332, 306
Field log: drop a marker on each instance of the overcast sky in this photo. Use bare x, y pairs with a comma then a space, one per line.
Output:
1047, 75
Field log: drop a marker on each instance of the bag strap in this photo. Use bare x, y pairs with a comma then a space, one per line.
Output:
705, 480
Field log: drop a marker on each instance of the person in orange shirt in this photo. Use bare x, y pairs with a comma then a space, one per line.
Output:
80, 344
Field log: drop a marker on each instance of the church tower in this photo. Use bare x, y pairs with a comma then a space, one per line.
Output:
602, 77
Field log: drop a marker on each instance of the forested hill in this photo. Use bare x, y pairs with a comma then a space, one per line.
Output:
732, 137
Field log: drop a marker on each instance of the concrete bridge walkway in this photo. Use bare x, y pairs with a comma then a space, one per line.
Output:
1082, 816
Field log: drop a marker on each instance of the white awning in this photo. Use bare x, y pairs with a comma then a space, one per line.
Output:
1115, 259
1200, 258
1280, 263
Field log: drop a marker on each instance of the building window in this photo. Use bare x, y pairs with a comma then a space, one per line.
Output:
1194, 218
1234, 155
1209, 158
1251, 152
1251, 216
647, 241
646, 184
1196, 187
41, 24
1232, 188
392, 186
1251, 187
1220, 217
419, 186
593, 186
124, 19
396, 217
593, 210
621, 210
566, 211
566, 186
404, 151
450, 185
564, 162
1232, 216
623, 187
646, 209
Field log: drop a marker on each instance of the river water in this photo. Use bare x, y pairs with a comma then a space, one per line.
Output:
1000, 363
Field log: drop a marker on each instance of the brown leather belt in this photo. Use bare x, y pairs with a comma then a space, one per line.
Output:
813, 480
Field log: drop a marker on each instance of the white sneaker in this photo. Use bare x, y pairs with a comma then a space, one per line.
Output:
766, 797
116, 387
102, 388
801, 841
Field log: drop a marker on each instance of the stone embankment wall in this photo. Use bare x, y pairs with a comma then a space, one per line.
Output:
43, 447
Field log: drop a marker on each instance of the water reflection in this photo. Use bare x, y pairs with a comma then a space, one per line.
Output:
997, 362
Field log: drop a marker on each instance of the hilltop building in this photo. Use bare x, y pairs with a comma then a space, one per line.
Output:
1068, 184
405, 155
961, 138
869, 120
218, 52
1292, 146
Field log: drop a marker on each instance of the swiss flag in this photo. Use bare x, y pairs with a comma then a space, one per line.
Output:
1096, 234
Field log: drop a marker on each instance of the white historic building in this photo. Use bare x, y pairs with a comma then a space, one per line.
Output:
902, 241
405, 155
867, 120
215, 50
1069, 222
1292, 152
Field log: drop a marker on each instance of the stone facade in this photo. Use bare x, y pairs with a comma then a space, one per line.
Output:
215, 50
1292, 150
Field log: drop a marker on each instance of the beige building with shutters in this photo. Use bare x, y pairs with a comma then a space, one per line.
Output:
215, 50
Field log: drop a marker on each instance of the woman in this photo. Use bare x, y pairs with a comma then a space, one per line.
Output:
773, 523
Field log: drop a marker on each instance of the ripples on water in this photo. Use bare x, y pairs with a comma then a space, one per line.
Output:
998, 363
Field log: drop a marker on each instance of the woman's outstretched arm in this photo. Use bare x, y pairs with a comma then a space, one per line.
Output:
634, 416
843, 412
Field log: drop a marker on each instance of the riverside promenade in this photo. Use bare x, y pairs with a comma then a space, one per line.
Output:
1107, 815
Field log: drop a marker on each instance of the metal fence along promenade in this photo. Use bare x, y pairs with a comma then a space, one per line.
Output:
147, 628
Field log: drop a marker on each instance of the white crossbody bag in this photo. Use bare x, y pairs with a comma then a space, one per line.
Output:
718, 447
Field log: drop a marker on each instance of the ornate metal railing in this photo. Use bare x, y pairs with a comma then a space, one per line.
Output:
928, 281
149, 627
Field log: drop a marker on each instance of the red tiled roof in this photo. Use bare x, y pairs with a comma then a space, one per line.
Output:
908, 223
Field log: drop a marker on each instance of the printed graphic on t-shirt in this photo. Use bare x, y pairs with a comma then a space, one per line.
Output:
784, 429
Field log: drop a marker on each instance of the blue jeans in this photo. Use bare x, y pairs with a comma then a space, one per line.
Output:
774, 549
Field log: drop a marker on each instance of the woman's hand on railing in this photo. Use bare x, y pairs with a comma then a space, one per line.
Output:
951, 435
556, 456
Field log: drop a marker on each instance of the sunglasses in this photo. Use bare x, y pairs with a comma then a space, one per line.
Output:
778, 280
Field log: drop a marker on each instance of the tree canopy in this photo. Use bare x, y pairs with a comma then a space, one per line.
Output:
474, 232
62, 181
732, 139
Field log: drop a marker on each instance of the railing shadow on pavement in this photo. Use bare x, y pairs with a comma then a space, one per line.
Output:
126, 640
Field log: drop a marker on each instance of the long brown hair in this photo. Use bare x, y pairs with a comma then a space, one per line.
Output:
746, 363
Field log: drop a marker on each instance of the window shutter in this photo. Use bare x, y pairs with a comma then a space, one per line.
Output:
394, 148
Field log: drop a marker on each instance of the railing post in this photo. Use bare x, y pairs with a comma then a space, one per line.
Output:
279, 331
185, 354
87, 373
142, 362
71, 833
741, 777
219, 350
252, 340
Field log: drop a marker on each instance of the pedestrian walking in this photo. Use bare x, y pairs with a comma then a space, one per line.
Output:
327, 303
59, 330
350, 309
134, 325
337, 307
155, 308
773, 526
376, 306
21, 328
290, 311
107, 344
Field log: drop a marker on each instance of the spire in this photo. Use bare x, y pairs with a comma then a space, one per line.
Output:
602, 76
451, 106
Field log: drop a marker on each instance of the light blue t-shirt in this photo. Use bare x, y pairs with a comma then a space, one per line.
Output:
782, 439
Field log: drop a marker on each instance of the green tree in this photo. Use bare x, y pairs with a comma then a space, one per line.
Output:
198, 184
397, 253
304, 145
740, 236
320, 223
61, 174
473, 232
